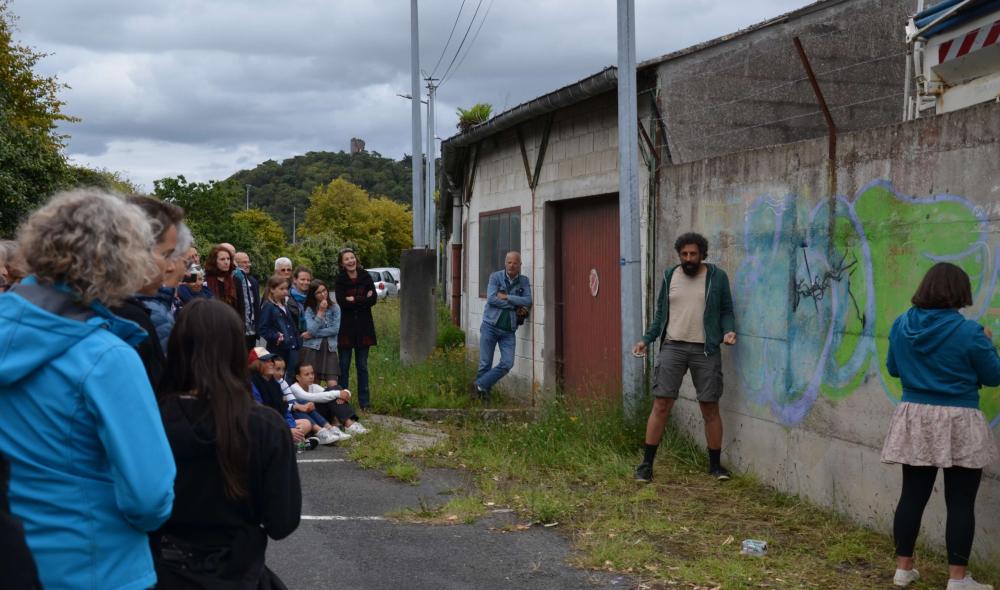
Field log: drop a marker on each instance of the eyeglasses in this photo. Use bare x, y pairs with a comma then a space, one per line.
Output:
345, 251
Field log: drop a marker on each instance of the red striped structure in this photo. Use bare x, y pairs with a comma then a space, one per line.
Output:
972, 41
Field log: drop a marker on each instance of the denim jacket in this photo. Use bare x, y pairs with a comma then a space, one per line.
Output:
519, 296
322, 329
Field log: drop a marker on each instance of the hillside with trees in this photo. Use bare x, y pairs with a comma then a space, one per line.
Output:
278, 187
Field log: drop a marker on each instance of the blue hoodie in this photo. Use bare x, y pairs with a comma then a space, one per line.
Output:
941, 358
100, 475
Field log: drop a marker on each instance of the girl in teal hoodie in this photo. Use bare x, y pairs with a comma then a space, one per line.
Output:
102, 476
942, 359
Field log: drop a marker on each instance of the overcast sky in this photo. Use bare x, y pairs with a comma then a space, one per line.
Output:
204, 88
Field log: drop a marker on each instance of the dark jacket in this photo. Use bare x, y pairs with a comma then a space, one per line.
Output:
357, 327
719, 318
150, 351
17, 566
270, 393
251, 303
227, 538
941, 357
272, 322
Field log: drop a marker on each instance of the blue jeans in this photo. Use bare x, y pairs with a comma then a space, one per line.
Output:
489, 337
361, 363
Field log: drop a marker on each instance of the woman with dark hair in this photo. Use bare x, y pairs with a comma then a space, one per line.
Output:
322, 317
356, 295
220, 280
942, 360
237, 481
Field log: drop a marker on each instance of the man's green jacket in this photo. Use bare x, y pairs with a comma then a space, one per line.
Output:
719, 318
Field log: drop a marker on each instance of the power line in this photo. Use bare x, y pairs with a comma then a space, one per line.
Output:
448, 42
462, 42
474, 37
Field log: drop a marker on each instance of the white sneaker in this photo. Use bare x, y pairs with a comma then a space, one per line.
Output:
357, 428
968, 584
327, 437
340, 433
904, 578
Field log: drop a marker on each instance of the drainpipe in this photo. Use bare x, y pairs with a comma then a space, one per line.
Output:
456, 258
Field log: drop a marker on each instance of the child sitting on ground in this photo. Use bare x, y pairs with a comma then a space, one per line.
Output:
327, 433
333, 402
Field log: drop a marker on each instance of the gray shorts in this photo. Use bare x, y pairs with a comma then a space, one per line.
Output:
675, 359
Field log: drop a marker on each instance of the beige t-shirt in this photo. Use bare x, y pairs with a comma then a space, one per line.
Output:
687, 307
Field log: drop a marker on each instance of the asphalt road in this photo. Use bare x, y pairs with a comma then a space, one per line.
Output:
345, 539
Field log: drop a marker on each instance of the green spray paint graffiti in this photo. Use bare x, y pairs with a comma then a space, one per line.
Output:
844, 276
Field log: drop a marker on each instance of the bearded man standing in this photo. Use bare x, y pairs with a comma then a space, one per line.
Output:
694, 316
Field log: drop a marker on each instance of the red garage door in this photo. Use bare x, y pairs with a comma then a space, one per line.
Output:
588, 298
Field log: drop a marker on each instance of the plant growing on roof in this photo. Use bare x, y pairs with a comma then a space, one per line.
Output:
474, 115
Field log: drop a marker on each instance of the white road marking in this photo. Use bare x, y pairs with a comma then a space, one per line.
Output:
321, 460
341, 518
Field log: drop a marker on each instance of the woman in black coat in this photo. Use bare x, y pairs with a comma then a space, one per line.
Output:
356, 295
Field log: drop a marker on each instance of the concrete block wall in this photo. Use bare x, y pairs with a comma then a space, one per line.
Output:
818, 278
749, 89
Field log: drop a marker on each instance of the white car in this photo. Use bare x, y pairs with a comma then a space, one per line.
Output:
384, 287
389, 276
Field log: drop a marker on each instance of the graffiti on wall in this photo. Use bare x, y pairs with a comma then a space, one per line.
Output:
821, 283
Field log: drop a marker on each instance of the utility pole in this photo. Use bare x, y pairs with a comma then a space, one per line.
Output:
430, 211
293, 224
248, 197
628, 207
418, 196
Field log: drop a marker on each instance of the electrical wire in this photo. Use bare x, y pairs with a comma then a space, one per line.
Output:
462, 42
474, 37
448, 42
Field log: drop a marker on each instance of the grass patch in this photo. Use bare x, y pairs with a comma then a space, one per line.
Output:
464, 510
574, 465
379, 449
440, 382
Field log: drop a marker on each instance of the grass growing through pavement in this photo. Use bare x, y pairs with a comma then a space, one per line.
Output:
378, 449
573, 466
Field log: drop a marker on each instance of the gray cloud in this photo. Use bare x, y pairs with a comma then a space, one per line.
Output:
169, 87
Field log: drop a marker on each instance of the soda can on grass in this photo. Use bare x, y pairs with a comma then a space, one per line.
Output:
754, 547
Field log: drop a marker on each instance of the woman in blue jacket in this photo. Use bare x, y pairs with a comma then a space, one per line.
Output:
322, 317
276, 325
942, 360
102, 477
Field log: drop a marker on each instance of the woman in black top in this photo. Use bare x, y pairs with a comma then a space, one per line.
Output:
356, 295
237, 481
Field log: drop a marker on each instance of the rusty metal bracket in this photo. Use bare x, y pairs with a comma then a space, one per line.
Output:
830, 125
534, 176
524, 154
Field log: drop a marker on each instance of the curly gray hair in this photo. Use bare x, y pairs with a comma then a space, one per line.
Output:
91, 241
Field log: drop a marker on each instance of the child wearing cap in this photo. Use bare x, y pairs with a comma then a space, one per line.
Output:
266, 391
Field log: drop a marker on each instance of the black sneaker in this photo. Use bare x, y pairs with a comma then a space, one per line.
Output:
720, 473
644, 472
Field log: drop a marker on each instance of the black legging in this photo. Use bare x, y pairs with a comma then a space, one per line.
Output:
960, 488
342, 412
